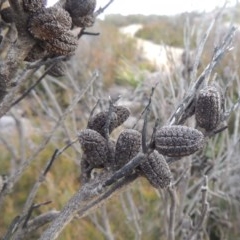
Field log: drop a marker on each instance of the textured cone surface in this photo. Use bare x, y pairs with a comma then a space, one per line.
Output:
85, 21
156, 170
123, 114
50, 24
128, 146
178, 141
35, 54
208, 108
34, 5
80, 8
94, 147
64, 44
97, 122
58, 70
119, 115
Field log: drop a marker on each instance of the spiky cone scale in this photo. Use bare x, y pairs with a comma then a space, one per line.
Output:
95, 147
49, 24
128, 145
34, 5
119, 115
209, 108
178, 141
80, 8
156, 170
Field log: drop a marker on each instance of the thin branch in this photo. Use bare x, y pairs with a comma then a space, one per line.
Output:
204, 209
127, 169
48, 61
172, 212
92, 112
102, 9
32, 208
108, 120
201, 47
114, 189
144, 132
32, 86
87, 198
187, 101
147, 107
15, 177
38, 222
83, 32
235, 106
12, 228
151, 144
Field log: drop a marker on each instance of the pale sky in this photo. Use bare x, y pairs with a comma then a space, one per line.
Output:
160, 7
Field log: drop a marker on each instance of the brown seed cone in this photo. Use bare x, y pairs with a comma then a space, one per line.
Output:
58, 70
97, 122
36, 53
64, 44
85, 21
127, 147
178, 141
209, 108
156, 170
123, 114
7, 15
119, 116
50, 23
80, 8
94, 147
34, 5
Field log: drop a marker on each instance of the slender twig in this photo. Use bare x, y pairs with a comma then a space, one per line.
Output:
156, 125
187, 101
15, 177
112, 190
47, 61
125, 170
102, 9
144, 132
93, 111
81, 204
83, 32
134, 215
36, 223
200, 49
108, 120
235, 106
12, 228
204, 210
172, 213
147, 107
32, 86
144, 129
32, 208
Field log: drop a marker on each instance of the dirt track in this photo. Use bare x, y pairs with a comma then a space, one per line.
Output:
162, 56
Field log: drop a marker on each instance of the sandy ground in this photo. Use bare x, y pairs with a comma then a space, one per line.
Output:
162, 56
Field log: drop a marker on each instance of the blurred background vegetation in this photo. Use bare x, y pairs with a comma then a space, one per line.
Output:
140, 212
